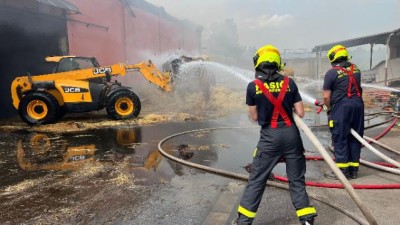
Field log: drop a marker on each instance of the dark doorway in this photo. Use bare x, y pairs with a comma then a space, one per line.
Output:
26, 39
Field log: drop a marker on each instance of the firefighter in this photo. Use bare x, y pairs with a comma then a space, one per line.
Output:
342, 95
271, 98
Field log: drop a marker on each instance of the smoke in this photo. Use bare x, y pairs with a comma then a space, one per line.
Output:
201, 89
160, 58
290, 24
267, 21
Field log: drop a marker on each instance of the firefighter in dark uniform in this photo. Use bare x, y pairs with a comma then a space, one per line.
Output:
342, 95
271, 98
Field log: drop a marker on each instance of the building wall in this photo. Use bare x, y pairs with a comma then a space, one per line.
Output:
307, 67
395, 46
29, 32
126, 33
98, 31
378, 73
109, 30
393, 71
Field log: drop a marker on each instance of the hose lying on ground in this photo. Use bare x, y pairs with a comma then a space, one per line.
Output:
366, 212
245, 178
355, 186
378, 124
374, 150
381, 144
377, 166
370, 140
341, 186
332, 165
380, 167
384, 132
378, 113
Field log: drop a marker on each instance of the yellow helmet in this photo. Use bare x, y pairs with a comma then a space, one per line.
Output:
267, 53
336, 52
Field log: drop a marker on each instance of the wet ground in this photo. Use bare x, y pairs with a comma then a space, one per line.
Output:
117, 176
87, 169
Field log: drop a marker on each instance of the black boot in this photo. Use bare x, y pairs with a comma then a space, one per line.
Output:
308, 222
353, 172
242, 220
332, 175
235, 222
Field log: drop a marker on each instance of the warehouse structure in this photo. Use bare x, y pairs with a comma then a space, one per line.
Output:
113, 31
386, 72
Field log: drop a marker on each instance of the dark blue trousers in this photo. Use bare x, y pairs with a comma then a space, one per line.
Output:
275, 144
345, 115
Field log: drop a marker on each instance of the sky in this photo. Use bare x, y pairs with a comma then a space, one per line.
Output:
291, 24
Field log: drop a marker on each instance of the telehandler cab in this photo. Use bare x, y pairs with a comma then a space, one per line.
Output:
80, 84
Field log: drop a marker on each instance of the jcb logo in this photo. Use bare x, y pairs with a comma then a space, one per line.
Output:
77, 158
74, 89
101, 70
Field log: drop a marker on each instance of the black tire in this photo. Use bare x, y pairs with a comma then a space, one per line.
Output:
123, 104
38, 108
60, 113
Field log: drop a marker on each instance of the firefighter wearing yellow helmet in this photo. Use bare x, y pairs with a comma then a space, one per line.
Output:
271, 98
342, 94
338, 53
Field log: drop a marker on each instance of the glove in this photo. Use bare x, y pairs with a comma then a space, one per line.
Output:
321, 106
249, 168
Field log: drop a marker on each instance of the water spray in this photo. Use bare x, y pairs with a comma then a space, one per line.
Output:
314, 140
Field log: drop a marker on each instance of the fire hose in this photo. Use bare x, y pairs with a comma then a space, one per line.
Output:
366, 128
381, 144
229, 174
386, 130
345, 184
321, 107
382, 166
350, 190
355, 186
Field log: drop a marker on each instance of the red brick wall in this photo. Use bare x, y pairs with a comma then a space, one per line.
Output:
112, 33
99, 32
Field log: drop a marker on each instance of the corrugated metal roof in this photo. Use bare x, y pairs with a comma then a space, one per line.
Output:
158, 11
63, 4
371, 39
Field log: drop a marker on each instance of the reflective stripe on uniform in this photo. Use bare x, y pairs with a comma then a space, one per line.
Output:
354, 164
246, 212
330, 123
342, 165
255, 152
306, 211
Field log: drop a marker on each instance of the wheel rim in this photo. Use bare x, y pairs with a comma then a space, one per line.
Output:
40, 143
124, 106
37, 109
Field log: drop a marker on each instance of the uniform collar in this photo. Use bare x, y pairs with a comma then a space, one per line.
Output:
343, 64
265, 77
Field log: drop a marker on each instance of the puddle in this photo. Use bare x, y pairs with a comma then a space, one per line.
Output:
85, 168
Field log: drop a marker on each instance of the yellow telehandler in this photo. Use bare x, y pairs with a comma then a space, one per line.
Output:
80, 84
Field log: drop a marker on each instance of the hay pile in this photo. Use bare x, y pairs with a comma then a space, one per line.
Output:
190, 107
368, 101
